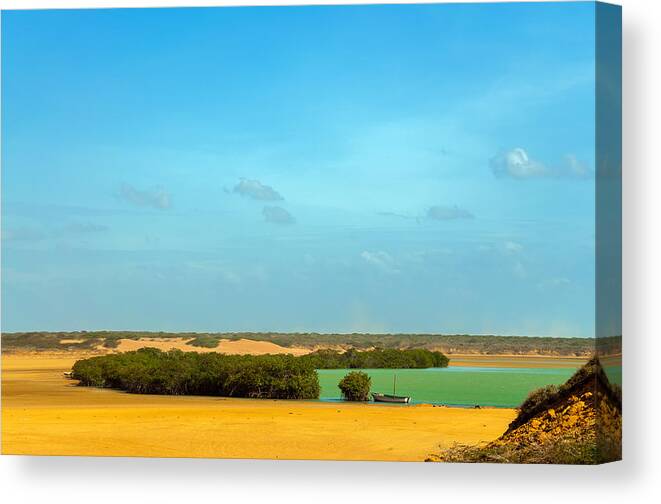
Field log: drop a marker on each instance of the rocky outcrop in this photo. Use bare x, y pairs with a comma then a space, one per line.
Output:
577, 423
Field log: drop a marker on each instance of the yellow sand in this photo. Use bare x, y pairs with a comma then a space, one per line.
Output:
241, 346
245, 346
44, 413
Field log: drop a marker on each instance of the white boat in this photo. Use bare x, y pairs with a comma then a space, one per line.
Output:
391, 398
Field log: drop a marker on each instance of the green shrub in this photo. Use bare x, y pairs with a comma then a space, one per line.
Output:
204, 341
539, 398
150, 371
378, 358
356, 386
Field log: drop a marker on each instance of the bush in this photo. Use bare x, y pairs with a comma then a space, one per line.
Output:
356, 386
150, 371
204, 341
539, 398
378, 358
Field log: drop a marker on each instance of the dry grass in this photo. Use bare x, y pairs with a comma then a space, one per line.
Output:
564, 450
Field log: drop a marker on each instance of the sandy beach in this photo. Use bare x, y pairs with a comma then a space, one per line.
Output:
44, 413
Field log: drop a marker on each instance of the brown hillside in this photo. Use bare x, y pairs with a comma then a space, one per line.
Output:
578, 423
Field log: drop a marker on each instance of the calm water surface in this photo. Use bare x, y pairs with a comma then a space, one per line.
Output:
457, 386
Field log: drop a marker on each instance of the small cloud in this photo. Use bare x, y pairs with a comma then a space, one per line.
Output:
381, 260
519, 270
254, 189
444, 213
516, 164
513, 247
158, 199
576, 168
397, 215
277, 215
437, 212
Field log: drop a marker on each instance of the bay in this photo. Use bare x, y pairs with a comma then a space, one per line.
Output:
453, 386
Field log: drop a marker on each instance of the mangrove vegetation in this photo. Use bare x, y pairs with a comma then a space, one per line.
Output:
378, 358
455, 343
356, 386
151, 371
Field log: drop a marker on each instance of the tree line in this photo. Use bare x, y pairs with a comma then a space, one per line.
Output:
151, 371
390, 358
457, 343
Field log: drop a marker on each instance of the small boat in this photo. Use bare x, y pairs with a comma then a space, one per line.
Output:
68, 374
391, 398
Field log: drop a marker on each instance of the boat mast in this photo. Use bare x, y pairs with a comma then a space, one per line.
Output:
394, 383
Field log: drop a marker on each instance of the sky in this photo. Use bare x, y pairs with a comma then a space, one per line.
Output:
402, 168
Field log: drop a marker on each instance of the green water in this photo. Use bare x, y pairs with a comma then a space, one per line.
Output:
459, 386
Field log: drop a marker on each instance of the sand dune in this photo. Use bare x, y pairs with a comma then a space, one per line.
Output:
241, 346
43, 413
165, 344
245, 346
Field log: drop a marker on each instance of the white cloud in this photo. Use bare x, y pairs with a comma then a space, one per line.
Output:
158, 198
398, 215
517, 164
254, 189
381, 260
575, 167
436, 212
519, 270
277, 215
513, 247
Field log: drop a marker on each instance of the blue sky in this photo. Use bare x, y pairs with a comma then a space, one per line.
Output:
333, 169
